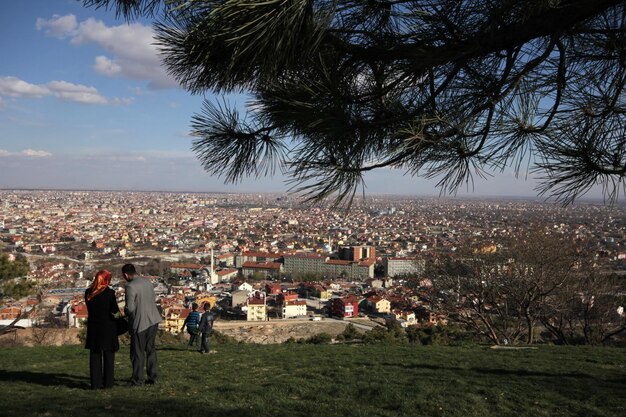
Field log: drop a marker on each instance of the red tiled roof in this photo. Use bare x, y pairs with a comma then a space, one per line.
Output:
256, 301
261, 254
79, 310
181, 312
226, 271
261, 265
290, 297
295, 302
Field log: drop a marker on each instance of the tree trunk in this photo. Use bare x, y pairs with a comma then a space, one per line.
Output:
530, 326
491, 331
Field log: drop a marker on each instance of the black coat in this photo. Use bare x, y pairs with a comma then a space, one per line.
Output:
101, 328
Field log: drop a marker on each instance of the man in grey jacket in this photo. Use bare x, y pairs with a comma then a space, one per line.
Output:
143, 320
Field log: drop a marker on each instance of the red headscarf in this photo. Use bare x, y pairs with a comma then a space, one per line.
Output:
99, 284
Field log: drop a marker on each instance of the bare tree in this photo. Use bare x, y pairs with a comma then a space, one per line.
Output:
472, 290
588, 309
543, 263
504, 294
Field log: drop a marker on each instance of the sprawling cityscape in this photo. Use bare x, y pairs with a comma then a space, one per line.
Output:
297, 208
267, 258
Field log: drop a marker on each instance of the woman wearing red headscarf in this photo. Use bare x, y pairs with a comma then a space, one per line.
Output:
101, 330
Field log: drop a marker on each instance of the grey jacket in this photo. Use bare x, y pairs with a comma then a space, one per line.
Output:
140, 305
206, 322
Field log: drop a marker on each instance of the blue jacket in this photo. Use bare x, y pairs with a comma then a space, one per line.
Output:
192, 321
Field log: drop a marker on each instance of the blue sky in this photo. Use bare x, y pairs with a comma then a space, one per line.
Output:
84, 104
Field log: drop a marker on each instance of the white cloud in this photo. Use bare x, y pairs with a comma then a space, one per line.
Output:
29, 153
76, 92
14, 87
143, 156
132, 52
2, 104
122, 101
131, 49
127, 158
35, 154
171, 155
138, 91
107, 67
64, 90
59, 26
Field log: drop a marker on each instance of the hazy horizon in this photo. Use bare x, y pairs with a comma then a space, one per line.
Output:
368, 195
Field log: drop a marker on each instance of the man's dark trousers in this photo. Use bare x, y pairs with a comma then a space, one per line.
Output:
142, 344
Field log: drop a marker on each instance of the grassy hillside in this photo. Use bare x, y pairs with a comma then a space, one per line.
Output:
318, 380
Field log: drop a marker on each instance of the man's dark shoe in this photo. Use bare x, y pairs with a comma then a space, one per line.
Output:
151, 382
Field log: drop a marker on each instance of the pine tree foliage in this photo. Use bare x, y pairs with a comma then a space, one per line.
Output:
447, 89
9, 271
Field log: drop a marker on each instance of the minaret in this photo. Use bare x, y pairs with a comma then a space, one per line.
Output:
214, 278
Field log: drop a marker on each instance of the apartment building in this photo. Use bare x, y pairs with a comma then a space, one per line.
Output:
257, 307
396, 266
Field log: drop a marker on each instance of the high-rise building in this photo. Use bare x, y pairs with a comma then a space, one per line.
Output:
357, 253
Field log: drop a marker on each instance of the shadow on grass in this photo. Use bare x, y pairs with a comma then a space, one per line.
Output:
191, 408
177, 348
505, 372
131, 402
494, 371
45, 378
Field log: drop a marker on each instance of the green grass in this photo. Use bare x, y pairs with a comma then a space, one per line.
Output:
324, 380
